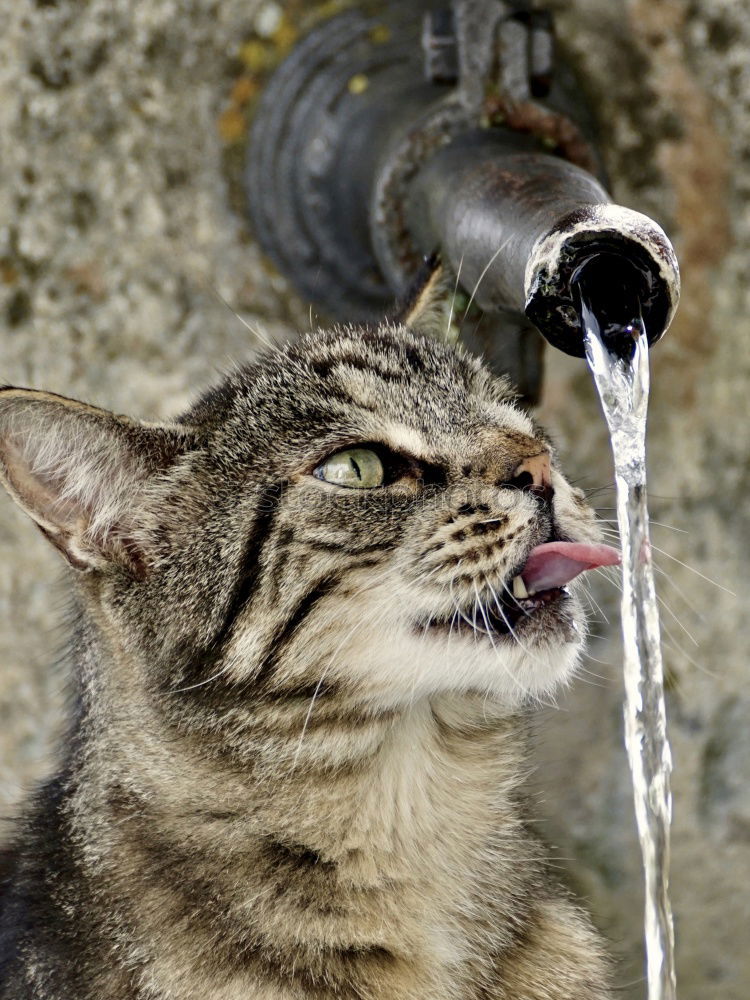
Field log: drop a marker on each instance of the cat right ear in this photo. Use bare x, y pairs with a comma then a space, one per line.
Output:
79, 473
427, 304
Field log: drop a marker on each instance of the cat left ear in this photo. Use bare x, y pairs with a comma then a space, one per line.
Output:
79, 473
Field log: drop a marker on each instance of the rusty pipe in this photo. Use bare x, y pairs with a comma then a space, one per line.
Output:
522, 227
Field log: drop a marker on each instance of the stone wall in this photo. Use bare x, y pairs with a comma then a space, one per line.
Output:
123, 261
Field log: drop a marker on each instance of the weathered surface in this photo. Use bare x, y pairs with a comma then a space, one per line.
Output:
119, 238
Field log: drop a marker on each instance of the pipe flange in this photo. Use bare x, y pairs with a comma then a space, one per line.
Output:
398, 254
318, 112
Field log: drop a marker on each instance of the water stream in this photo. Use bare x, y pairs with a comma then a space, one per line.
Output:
623, 384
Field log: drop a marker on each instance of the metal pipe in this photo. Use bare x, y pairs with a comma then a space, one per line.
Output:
393, 133
521, 226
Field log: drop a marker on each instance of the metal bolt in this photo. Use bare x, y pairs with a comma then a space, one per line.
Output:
541, 52
440, 47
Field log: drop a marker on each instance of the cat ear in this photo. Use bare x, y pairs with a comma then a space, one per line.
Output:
426, 307
78, 471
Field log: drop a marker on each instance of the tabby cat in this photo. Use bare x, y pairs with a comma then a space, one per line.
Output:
311, 614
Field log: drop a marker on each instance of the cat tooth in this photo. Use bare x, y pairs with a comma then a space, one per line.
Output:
519, 588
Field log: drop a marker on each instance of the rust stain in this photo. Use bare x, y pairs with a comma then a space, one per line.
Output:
557, 131
286, 34
243, 90
257, 55
232, 125
9, 274
87, 279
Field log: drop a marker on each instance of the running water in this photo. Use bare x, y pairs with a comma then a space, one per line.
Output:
623, 384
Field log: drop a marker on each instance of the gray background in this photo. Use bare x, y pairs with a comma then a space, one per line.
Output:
119, 239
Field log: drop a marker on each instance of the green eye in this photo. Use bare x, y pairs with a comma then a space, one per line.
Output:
356, 468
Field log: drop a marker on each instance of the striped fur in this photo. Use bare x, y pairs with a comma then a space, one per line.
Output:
295, 769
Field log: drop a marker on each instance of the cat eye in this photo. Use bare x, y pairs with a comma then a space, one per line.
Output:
354, 468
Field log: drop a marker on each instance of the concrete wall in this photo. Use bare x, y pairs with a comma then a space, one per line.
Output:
119, 237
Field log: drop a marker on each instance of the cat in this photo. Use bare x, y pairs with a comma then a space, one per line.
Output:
311, 615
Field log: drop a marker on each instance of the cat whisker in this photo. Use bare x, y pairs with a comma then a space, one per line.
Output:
487, 266
594, 659
474, 611
318, 687
611, 574
507, 672
671, 527
255, 330
680, 593
693, 570
589, 595
685, 565
608, 682
672, 614
305, 724
518, 642
609, 532
651, 521
673, 646
594, 491
207, 680
448, 336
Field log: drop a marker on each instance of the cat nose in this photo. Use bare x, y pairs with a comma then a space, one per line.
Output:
534, 475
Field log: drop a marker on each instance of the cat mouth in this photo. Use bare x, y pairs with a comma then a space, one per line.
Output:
502, 615
537, 591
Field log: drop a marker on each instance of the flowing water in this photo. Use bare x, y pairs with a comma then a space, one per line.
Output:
623, 384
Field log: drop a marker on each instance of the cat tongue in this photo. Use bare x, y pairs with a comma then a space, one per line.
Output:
556, 563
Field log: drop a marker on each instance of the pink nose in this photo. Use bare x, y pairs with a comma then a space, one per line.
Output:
534, 474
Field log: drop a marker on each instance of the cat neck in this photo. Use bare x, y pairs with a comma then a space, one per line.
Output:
365, 788
428, 782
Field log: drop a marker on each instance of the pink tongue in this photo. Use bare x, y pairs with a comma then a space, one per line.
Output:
556, 563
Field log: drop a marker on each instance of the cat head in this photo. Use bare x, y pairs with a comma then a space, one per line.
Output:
348, 513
